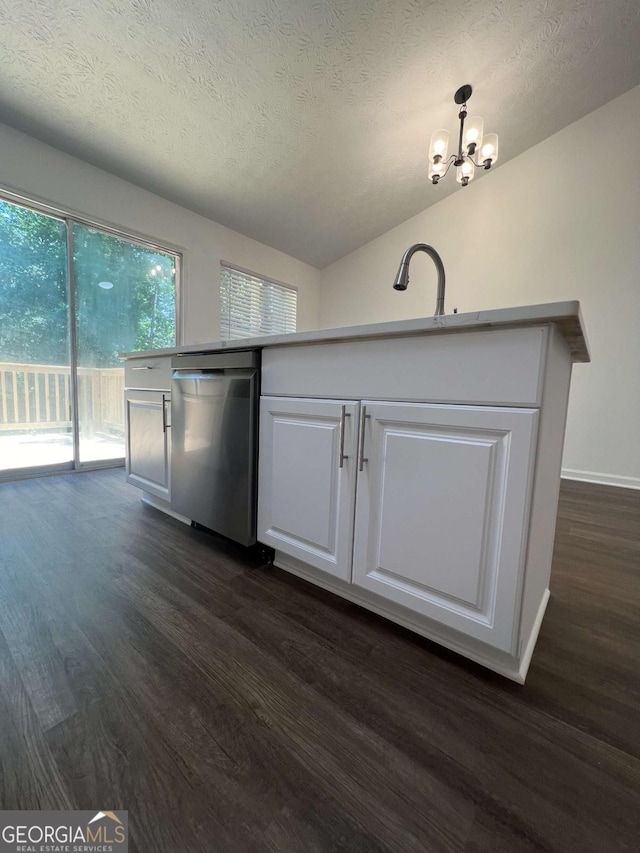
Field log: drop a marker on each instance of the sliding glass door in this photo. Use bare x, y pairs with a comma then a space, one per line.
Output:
124, 301
36, 401
72, 297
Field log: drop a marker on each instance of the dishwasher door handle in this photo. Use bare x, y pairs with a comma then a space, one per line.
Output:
217, 360
190, 373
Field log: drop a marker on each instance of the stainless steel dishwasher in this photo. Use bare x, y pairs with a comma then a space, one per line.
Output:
214, 448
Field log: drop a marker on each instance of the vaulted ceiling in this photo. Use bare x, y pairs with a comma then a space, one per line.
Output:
303, 123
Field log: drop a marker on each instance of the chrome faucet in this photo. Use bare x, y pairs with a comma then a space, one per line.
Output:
402, 279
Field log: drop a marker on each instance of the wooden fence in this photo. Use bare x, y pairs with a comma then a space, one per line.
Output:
38, 397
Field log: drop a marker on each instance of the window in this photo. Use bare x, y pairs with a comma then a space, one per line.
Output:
251, 306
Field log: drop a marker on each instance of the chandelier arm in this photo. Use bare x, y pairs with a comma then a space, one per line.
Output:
450, 162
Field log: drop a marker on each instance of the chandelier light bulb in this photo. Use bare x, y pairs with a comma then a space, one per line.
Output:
436, 169
465, 172
438, 146
489, 150
473, 134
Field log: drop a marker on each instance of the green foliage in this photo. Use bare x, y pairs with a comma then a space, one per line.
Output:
136, 313
33, 287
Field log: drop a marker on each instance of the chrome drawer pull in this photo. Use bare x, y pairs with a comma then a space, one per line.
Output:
342, 456
361, 457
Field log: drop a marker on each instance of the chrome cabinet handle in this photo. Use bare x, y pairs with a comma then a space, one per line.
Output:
361, 457
165, 425
341, 454
146, 367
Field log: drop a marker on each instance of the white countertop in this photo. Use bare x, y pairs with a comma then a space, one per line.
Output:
565, 314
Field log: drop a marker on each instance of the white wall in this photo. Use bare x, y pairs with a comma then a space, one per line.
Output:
45, 173
561, 221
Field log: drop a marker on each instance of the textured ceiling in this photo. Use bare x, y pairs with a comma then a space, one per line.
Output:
303, 123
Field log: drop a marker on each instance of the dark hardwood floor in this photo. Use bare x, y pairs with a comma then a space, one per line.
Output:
228, 706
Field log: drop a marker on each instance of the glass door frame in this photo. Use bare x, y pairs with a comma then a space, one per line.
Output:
70, 219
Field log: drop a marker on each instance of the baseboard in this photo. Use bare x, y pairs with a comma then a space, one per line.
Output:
602, 479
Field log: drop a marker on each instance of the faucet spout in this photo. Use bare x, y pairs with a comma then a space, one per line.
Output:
402, 278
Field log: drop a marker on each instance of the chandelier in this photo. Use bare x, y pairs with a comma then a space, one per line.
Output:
471, 141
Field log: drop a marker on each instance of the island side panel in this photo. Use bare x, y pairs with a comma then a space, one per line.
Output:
546, 487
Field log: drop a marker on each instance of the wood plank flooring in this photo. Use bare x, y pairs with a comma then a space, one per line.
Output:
230, 707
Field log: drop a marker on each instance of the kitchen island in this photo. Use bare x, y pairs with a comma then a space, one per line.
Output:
412, 467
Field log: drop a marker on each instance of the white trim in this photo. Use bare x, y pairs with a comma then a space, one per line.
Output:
163, 506
525, 660
602, 479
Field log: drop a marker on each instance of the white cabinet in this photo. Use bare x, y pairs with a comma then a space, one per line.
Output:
441, 512
147, 419
307, 480
440, 496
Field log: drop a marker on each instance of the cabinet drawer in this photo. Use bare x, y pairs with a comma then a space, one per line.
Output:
153, 373
502, 368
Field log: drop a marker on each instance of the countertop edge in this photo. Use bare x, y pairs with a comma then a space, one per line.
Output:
566, 315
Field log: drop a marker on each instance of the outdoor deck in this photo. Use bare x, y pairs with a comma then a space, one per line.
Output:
36, 409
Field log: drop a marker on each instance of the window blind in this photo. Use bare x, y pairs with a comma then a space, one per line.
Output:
251, 306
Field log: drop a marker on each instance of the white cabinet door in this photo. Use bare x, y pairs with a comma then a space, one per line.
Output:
305, 496
442, 512
148, 446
